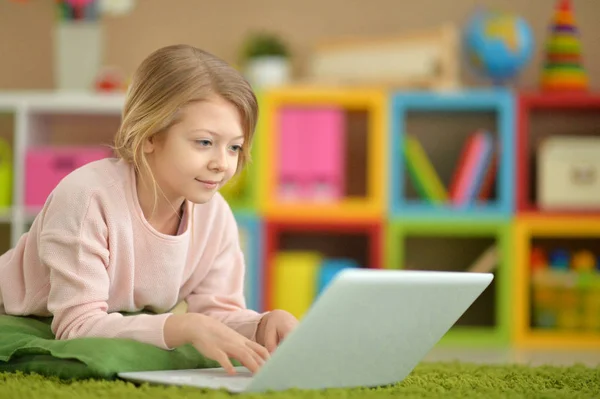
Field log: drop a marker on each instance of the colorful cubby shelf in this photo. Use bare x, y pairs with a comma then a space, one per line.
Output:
442, 244
251, 241
346, 177
384, 183
557, 281
302, 256
313, 140
561, 114
460, 197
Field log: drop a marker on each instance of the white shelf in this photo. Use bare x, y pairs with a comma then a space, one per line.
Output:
30, 108
63, 102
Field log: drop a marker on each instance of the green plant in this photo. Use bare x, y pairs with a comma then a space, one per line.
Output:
264, 44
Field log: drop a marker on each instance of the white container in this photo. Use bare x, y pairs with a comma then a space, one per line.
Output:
268, 71
569, 173
78, 54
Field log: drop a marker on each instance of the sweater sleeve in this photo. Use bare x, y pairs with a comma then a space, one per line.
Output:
73, 244
221, 293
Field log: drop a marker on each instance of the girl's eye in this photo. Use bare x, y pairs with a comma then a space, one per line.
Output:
237, 148
203, 142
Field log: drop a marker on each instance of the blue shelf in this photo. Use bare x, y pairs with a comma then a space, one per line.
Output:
500, 101
251, 225
422, 210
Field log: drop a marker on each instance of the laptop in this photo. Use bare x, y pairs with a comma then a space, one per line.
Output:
368, 328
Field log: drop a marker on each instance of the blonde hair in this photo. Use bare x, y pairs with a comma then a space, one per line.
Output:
167, 80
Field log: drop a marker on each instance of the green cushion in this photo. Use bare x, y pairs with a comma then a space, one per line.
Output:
28, 345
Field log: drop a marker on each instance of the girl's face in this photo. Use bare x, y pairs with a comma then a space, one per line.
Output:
200, 153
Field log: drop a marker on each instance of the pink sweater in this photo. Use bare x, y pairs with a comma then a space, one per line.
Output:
90, 254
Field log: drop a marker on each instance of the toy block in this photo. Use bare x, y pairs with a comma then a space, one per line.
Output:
584, 261
294, 284
591, 320
563, 67
325, 154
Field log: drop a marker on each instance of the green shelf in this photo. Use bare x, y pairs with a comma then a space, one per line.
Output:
472, 237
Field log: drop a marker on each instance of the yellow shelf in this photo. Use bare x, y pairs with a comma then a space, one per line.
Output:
348, 97
536, 339
374, 102
350, 210
543, 227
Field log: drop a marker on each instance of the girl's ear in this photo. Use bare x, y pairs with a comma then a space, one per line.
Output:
148, 145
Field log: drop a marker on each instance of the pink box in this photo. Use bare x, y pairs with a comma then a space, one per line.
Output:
45, 167
291, 164
325, 154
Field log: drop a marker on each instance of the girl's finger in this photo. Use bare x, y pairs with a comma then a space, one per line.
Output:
245, 356
259, 349
222, 358
271, 340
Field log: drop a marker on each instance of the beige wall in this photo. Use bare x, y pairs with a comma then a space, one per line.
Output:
26, 40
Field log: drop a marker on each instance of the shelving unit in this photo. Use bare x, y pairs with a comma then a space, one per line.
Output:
547, 316
355, 127
567, 303
241, 192
441, 235
62, 119
8, 117
359, 243
540, 116
251, 240
5, 229
57, 119
425, 116
378, 221
450, 244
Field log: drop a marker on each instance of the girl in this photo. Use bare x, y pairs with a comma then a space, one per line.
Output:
148, 229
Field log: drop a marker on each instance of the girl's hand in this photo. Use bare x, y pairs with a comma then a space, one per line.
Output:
216, 341
274, 327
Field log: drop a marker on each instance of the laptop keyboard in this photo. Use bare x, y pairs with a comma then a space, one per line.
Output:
239, 381
203, 378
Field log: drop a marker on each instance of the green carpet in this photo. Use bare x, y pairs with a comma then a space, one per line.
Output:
429, 380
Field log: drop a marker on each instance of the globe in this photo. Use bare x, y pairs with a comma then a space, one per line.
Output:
497, 45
